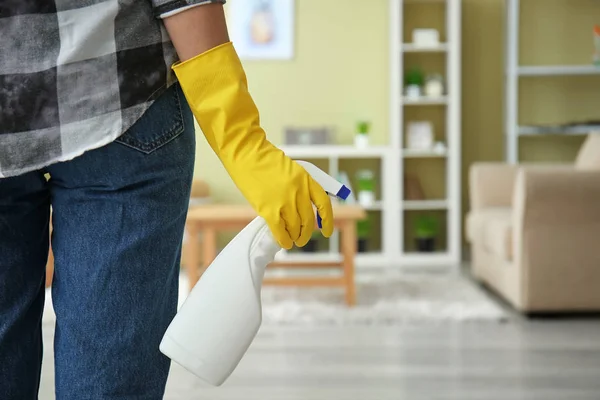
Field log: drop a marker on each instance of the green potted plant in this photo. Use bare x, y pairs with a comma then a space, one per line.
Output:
363, 228
365, 187
361, 139
426, 230
414, 79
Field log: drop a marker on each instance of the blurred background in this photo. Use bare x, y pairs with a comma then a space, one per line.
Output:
466, 264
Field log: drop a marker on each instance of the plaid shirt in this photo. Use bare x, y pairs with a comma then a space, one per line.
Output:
76, 74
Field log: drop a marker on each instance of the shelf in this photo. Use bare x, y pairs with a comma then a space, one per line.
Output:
374, 259
410, 153
376, 206
557, 70
425, 101
411, 48
425, 204
557, 130
421, 261
424, 1
329, 151
418, 254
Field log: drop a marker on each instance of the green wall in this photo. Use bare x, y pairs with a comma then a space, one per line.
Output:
339, 75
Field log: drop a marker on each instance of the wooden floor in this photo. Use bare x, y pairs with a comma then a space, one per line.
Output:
520, 359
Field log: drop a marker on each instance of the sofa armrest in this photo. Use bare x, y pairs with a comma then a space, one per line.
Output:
491, 184
557, 195
556, 226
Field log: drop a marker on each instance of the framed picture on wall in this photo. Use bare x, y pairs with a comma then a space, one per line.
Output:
262, 29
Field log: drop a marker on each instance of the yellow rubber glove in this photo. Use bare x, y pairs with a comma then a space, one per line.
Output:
278, 188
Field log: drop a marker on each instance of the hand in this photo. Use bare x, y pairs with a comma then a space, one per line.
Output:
278, 188
283, 193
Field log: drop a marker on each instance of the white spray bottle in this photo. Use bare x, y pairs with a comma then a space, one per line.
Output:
218, 321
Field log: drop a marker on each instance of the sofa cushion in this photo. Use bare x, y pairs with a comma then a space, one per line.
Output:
589, 155
492, 229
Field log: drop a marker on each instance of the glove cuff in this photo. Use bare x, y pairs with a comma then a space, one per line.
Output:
215, 86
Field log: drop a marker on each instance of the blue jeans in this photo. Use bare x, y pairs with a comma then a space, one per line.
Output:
118, 220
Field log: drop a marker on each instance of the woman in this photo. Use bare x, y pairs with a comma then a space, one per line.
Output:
88, 96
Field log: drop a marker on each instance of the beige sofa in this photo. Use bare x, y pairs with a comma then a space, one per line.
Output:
534, 232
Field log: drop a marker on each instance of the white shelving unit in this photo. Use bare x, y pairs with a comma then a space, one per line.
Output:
425, 204
335, 152
392, 156
411, 48
558, 70
450, 48
425, 101
514, 72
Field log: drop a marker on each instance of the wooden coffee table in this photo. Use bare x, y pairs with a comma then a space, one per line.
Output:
209, 220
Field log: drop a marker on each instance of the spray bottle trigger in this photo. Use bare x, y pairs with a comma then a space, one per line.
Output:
342, 194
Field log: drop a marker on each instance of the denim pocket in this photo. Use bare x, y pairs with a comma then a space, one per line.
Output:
160, 124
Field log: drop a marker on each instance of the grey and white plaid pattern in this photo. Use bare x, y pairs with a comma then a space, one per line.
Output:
76, 74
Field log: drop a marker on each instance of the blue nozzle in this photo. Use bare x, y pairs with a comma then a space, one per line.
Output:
343, 193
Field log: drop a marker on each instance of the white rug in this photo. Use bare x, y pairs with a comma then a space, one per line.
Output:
390, 299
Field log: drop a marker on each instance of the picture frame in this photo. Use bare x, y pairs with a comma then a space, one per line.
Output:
263, 29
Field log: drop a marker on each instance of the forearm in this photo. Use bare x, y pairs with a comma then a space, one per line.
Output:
197, 30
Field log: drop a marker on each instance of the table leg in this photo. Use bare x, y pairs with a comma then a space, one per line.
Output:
50, 268
349, 253
192, 256
50, 261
